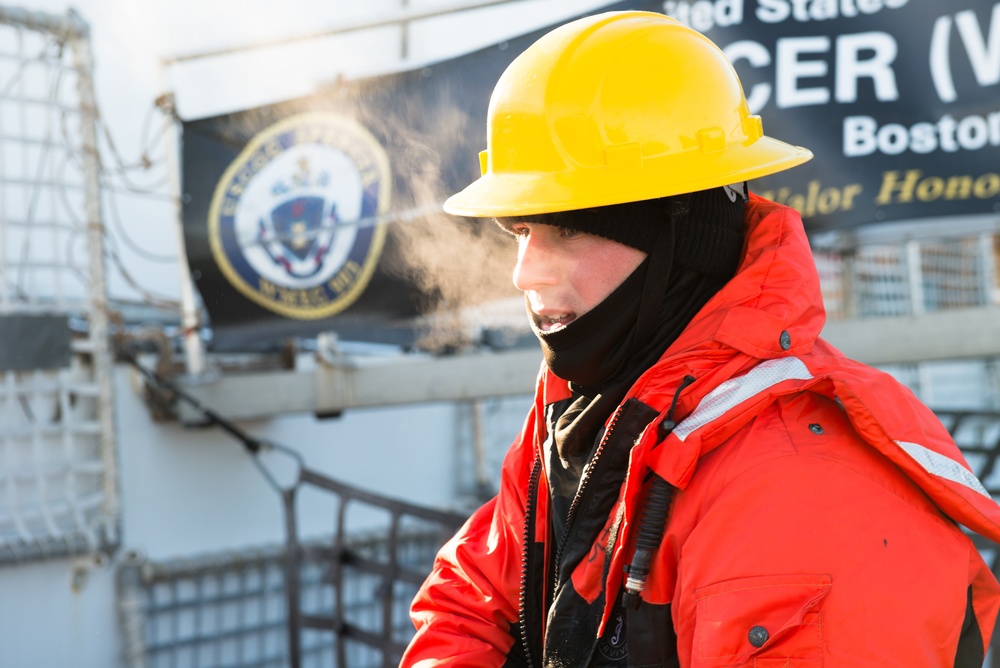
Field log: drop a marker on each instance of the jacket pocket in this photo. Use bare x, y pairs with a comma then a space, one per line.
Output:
765, 621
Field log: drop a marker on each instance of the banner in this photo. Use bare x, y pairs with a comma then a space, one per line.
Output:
323, 214
899, 100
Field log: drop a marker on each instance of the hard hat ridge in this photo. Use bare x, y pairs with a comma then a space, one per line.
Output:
612, 108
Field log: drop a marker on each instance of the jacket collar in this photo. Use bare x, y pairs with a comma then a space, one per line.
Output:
772, 308
775, 290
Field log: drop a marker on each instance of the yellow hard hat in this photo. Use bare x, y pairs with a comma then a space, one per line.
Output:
612, 108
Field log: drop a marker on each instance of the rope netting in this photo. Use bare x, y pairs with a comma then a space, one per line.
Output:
58, 492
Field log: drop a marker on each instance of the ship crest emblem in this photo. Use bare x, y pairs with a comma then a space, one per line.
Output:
294, 222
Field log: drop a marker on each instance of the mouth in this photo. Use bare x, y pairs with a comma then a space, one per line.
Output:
555, 322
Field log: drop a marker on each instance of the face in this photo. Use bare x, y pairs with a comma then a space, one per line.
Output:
565, 273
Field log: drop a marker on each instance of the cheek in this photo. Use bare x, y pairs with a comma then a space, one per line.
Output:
600, 273
595, 286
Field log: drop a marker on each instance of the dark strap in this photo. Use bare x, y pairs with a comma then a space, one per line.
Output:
970, 643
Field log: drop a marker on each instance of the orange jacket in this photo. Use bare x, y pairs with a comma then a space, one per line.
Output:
814, 522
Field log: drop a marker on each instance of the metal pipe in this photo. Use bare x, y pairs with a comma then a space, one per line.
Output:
194, 351
65, 26
98, 315
404, 17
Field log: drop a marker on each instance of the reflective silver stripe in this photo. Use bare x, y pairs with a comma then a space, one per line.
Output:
769, 373
737, 390
943, 467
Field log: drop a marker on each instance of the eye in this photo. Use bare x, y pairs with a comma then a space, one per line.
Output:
567, 233
520, 231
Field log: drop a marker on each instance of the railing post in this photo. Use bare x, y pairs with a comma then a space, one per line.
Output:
915, 277
292, 594
987, 268
848, 284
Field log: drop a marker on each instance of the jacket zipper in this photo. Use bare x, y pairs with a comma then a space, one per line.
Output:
526, 542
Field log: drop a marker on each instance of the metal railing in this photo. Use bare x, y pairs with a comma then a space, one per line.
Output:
342, 600
909, 276
386, 573
345, 596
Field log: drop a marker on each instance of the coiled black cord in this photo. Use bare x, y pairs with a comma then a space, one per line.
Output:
651, 528
653, 521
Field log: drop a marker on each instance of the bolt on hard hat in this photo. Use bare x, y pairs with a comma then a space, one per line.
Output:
612, 108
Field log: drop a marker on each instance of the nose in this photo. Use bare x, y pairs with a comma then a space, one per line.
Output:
536, 261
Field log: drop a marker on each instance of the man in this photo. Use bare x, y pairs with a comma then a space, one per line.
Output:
702, 481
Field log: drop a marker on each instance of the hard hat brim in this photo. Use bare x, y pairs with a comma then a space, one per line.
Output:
526, 193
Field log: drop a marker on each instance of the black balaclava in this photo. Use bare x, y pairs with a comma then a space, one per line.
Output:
693, 244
